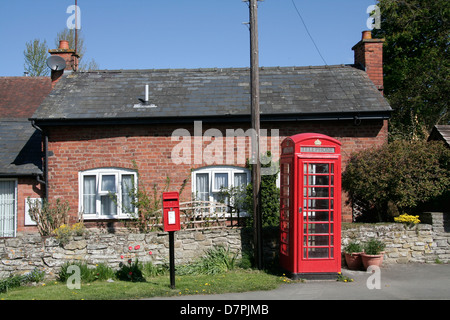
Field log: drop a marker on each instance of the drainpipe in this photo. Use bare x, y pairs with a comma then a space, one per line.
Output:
45, 181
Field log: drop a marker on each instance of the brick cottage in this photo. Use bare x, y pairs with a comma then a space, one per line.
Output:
190, 125
21, 173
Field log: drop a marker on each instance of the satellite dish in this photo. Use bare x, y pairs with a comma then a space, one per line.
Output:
56, 63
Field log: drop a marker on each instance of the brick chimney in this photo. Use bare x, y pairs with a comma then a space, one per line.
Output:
70, 56
369, 55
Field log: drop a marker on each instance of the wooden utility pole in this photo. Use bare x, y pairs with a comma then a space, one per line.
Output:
256, 168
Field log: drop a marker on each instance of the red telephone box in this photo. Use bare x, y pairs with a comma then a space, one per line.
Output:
310, 206
171, 211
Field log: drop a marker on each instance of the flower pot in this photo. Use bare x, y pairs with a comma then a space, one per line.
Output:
372, 259
353, 260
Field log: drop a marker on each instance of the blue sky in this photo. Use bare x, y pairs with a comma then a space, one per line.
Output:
147, 34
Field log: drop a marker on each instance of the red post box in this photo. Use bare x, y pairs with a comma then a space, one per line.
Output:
171, 211
310, 206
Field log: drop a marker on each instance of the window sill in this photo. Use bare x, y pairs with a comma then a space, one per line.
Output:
105, 217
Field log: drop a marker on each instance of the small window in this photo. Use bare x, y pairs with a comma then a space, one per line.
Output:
208, 183
8, 208
107, 193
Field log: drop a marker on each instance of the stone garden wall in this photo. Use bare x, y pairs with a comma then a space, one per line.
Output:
425, 242
27, 251
428, 242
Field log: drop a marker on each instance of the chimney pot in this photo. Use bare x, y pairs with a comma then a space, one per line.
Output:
63, 44
366, 34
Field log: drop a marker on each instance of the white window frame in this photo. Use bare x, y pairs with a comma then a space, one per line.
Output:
14, 231
99, 173
211, 171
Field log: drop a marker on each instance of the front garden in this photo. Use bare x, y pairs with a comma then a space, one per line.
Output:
218, 271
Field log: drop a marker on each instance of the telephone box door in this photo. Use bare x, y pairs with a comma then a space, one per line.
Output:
319, 215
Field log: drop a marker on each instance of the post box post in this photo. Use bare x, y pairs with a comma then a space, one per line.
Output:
171, 222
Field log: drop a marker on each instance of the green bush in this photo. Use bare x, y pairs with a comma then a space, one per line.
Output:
87, 274
270, 195
396, 177
353, 247
216, 260
374, 246
17, 280
130, 271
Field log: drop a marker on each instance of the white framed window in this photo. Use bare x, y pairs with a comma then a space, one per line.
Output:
208, 182
106, 193
8, 207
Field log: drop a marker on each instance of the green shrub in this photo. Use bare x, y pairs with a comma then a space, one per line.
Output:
216, 260
374, 246
130, 271
396, 177
270, 195
87, 274
17, 280
353, 247
151, 270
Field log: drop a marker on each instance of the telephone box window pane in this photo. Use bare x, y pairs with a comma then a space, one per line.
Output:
314, 228
284, 249
317, 253
319, 180
285, 191
319, 192
314, 216
318, 168
319, 204
315, 240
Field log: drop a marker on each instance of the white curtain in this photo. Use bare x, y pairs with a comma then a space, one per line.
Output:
7, 208
220, 180
127, 188
89, 193
240, 180
202, 186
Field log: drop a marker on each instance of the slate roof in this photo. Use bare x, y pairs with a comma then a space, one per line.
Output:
20, 96
20, 143
186, 94
20, 146
441, 132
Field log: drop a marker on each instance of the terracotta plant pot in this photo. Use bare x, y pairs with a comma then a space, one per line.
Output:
353, 260
372, 259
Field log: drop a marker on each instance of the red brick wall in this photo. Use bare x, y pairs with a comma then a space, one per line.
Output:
26, 187
81, 148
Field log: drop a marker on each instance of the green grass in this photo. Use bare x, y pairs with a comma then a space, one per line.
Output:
237, 280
